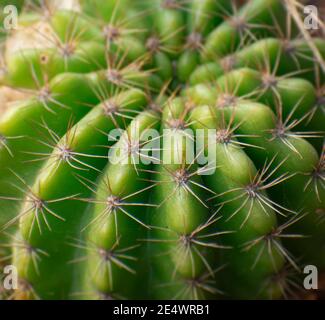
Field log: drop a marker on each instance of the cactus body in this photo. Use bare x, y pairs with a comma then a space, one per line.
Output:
162, 149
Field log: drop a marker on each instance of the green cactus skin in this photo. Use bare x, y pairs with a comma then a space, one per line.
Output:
80, 224
182, 263
239, 188
105, 10
40, 226
293, 154
268, 54
113, 261
118, 219
29, 68
71, 45
206, 73
227, 37
293, 97
203, 16
27, 126
294, 158
52, 109
170, 22
285, 56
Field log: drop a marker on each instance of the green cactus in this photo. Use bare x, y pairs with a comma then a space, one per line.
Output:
162, 149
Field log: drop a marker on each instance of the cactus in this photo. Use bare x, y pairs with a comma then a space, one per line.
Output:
161, 149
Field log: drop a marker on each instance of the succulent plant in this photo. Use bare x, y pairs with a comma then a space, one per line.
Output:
162, 149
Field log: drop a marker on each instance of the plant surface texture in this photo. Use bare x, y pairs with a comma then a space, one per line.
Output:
161, 149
